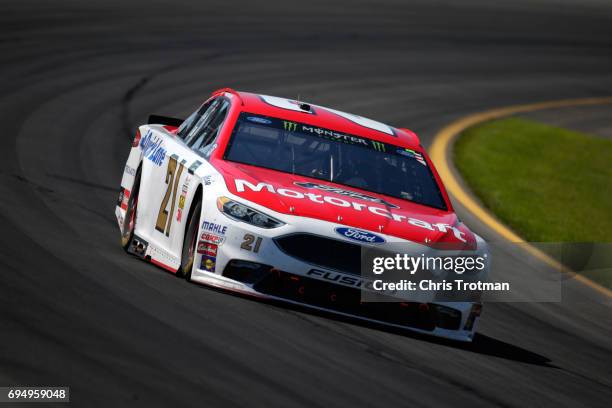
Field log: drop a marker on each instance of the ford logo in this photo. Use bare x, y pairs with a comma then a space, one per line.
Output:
257, 119
358, 235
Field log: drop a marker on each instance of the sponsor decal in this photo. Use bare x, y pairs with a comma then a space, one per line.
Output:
207, 180
212, 227
208, 263
413, 154
152, 148
206, 248
258, 119
182, 197
289, 126
348, 193
332, 135
341, 137
124, 197
379, 146
212, 238
341, 279
406, 152
181, 205
242, 185
130, 170
358, 235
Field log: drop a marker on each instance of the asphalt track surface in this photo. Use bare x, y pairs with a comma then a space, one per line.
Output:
77, 77
595, 120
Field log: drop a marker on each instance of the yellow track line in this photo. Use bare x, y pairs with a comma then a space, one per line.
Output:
440, 155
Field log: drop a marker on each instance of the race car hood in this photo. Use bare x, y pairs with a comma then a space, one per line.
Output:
348, 206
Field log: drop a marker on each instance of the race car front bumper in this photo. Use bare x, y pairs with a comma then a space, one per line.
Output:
274, 264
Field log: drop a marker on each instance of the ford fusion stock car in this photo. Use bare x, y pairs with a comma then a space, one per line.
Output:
275, 198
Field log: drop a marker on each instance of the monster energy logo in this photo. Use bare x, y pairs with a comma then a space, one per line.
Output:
379, 146
289, 126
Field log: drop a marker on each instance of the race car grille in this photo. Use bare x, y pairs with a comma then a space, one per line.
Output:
321, 251
347, 300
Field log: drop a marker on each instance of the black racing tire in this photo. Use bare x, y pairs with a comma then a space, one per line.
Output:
129, 222
189, 243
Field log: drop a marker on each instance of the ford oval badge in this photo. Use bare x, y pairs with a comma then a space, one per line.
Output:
358, 235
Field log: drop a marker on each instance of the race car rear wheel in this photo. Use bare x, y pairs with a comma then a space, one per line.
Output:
129, 222
190, 242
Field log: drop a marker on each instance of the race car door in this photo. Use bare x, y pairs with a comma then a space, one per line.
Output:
186, 151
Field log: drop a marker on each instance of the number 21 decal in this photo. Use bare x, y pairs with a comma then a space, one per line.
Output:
173, 175
248, 241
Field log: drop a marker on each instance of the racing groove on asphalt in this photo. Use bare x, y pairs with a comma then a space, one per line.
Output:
75, 310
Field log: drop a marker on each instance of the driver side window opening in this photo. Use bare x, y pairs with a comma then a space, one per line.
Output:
200, 129
210, 128
188, 124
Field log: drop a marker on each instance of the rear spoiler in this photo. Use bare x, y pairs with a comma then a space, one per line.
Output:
164, 120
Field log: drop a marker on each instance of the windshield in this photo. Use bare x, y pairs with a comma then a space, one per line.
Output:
324, 154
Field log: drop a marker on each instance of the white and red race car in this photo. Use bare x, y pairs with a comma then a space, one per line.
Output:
274, 198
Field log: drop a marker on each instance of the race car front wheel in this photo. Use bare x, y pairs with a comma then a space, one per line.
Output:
129, 222
189, 243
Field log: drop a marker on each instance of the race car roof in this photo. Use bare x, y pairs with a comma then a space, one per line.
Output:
323, 117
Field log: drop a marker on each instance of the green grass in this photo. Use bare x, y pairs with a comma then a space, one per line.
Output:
548, 184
